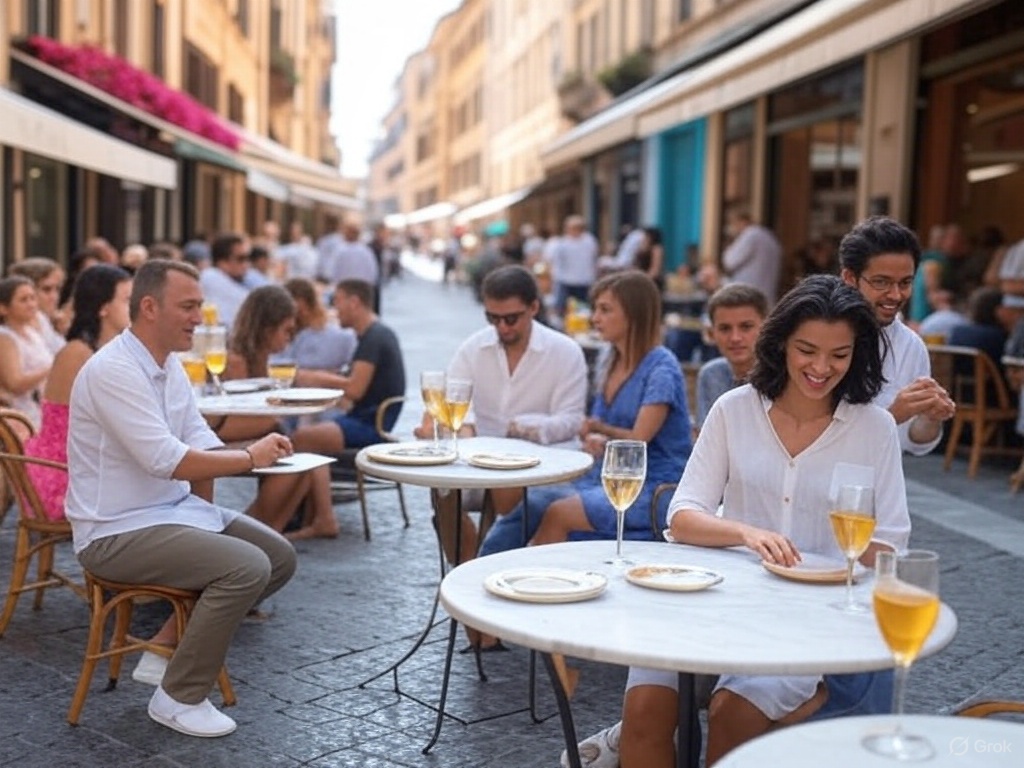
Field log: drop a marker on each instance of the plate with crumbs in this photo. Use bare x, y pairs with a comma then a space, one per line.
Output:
673, 578
546, 585
415, 455
502, 460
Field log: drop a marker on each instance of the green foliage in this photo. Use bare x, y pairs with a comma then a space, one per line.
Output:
628, 73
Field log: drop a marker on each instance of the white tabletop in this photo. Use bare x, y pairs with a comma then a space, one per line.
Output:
959, 742
255, 404
556, 465
752, 623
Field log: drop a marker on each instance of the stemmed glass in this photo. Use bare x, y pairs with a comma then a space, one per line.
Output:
623, 475
215, 353
457, 394
906, 599
853, 522
282, 369
432, 387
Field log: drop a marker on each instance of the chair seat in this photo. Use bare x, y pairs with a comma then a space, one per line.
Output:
117, 598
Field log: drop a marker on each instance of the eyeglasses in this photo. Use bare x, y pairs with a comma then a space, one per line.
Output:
510, 319
885, 284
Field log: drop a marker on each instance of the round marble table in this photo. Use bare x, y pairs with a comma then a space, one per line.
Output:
753, 622
556, 465
959, 742
256, 404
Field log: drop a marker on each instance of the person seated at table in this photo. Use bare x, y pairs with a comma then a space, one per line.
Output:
641, 396
735, 314
529, 382
321, 350
48, 277
378, 373
263, 327
25, 357
805, 422
100, 302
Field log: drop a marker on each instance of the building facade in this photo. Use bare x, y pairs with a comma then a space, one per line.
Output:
163, 120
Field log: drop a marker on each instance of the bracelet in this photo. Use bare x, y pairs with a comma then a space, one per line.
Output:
252, 459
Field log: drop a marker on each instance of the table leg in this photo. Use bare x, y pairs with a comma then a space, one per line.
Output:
688, 738
452, 631
423, 635
564, 712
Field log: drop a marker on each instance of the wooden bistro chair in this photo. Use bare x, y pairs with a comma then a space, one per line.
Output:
344, 472
992, 707
36, 536
982, 401
109, 597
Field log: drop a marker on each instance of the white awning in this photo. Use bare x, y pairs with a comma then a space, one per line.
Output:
266, 185
300, 194
823, 34
34, 128
492, 205
430, 213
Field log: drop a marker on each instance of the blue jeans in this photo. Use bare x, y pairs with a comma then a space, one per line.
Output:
507, 531
860, 693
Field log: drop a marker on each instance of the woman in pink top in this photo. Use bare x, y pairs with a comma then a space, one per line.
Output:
101, 312
25, 359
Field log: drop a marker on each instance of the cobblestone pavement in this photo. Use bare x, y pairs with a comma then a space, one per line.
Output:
355, 606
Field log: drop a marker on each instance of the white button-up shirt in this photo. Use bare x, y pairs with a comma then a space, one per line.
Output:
222, 290
549, 383
574, 260
132, 422
906, 361
342, 259
755, 258
739, 461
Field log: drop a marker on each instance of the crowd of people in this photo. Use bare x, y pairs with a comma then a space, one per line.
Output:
827, 378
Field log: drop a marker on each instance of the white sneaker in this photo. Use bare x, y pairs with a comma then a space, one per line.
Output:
202, 719
150, 669
600, 750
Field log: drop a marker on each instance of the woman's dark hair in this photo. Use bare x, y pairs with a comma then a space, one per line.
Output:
78, 261
828, 298
653, 235
873, 237
94, 287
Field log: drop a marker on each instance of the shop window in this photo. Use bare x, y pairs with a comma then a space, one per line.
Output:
122, 28
242, 16
157, 46
45, 185
42, 17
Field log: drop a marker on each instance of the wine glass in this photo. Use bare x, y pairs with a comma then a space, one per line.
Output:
623, 475
853, 522
216, 353
432, 387
906, 600
457, 394
282, 369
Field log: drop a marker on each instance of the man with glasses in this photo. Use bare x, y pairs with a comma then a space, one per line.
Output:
225, 282
528, 382
879, 257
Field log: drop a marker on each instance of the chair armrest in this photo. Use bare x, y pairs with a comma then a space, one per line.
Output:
655, 499
382, 411
986, 708
19, 457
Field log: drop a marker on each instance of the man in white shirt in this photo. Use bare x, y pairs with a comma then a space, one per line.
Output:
879, 257
141, 464
574, 263
225, 283
343, 256
753, 257
528, 381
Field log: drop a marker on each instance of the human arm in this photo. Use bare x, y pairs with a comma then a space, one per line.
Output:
739, 253
202, 465
12, 377
649, 420
66, 365
657, 262
892, 517
691, 515
566, 405
314, 377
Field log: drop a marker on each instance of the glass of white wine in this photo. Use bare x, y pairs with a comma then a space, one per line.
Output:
853, 523
432, 387
216, 353
282, 369
906, 601
457, 394
622, 475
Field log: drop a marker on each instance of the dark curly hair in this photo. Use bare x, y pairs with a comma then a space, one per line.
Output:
263, 310
94, 287
873, 237
828, 298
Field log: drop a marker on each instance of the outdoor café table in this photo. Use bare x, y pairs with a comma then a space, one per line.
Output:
262, 403
556, 465
959, 742
752, 623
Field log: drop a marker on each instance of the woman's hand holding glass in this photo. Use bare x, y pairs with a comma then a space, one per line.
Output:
906, 605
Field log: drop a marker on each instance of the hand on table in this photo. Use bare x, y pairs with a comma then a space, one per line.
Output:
772, 547
594, 444
268, 449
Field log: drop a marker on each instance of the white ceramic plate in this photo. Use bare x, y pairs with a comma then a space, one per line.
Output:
816, 569
245, 386
304, 396
546, 585
673, 578
502, 460
410, 455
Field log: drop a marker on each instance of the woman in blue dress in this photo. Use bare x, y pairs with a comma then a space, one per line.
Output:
641, 396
